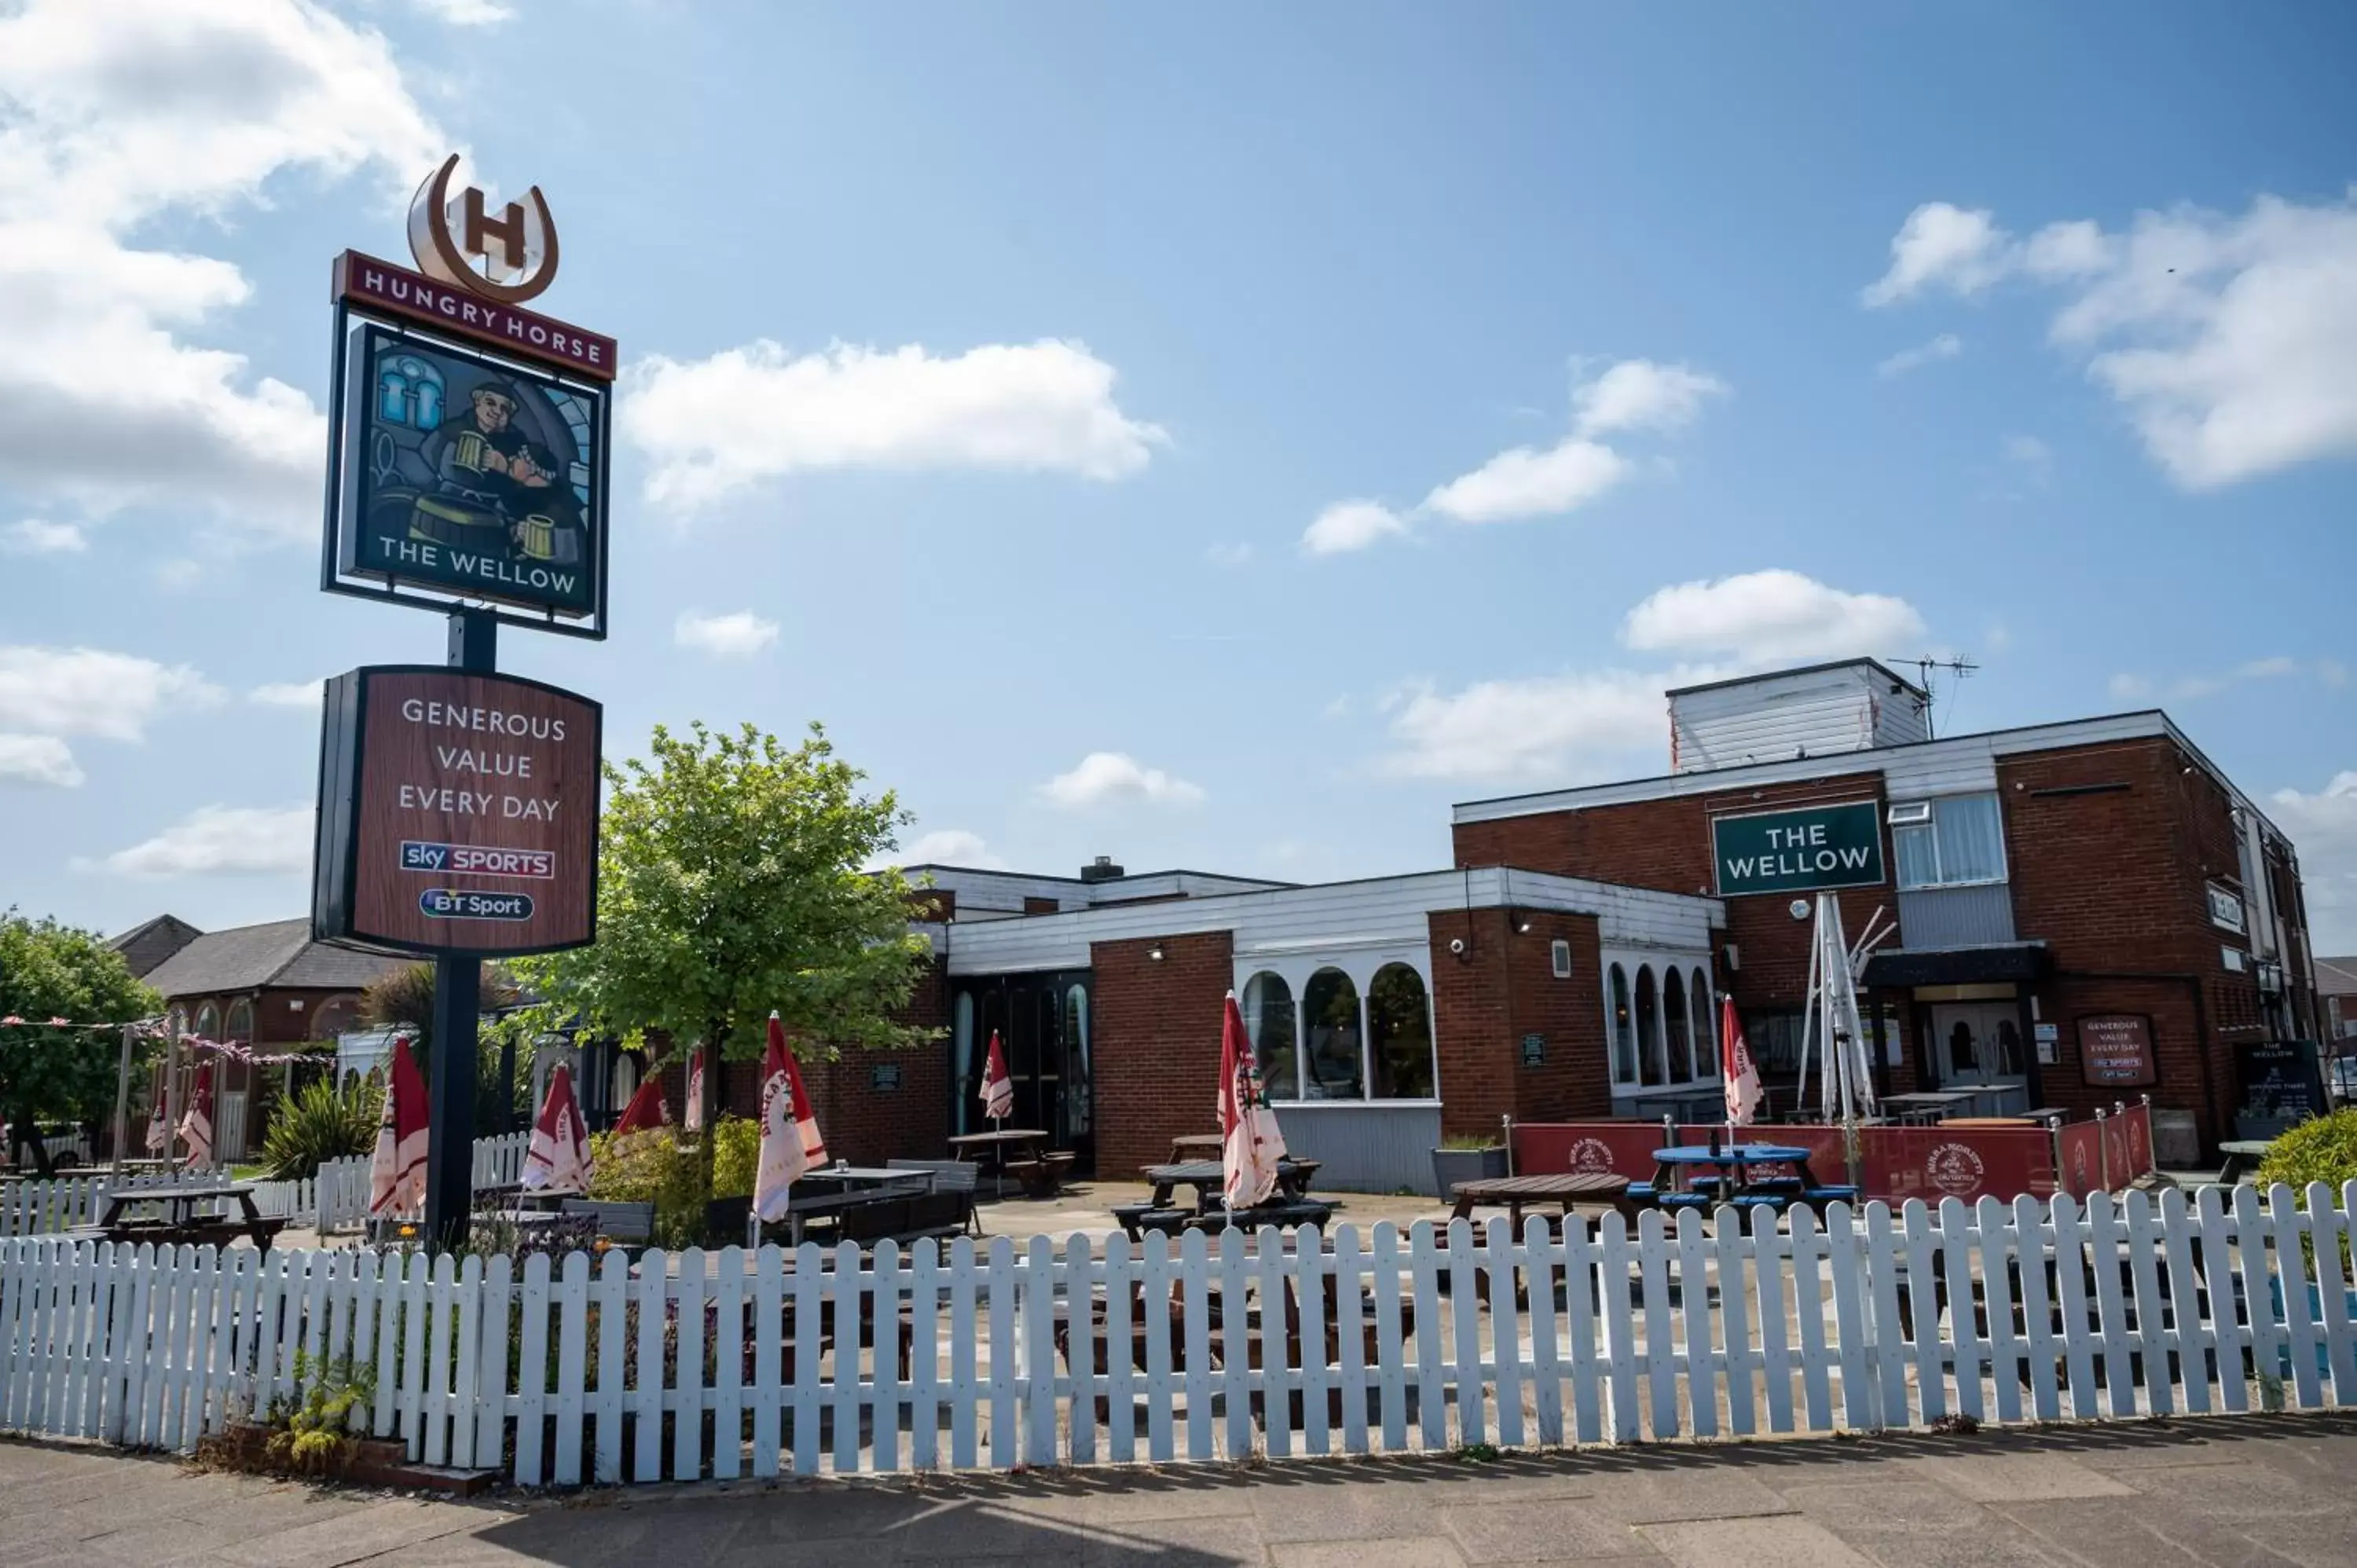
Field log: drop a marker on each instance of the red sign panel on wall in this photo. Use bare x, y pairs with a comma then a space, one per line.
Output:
2116, 1049
458, 812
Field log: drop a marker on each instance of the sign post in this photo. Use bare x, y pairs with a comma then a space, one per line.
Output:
467, 474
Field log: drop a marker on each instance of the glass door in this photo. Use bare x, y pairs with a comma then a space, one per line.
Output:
1978, 1045
1042, 1023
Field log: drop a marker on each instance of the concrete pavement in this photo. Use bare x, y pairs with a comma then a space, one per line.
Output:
2257, 1492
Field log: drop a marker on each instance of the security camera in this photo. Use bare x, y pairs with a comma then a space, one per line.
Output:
1457, 946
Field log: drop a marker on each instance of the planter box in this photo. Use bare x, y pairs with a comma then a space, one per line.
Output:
1450, 1166
363, 1462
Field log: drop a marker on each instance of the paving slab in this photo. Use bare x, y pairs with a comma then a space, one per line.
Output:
2018, 1478
1787, 1543
1548, 1531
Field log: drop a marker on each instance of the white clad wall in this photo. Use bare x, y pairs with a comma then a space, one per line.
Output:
1812, 711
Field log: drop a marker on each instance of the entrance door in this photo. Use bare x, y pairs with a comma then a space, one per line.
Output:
1043, 1025
1978, 1045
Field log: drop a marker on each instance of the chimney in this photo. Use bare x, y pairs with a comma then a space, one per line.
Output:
1101, 869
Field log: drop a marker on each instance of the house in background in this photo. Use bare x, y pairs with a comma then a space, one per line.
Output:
2336, 1003
269, 987
144, 946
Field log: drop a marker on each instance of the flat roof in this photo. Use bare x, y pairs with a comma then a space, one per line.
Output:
1874, 664
1085, 882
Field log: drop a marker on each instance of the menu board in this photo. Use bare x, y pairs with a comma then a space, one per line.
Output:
2115, 1050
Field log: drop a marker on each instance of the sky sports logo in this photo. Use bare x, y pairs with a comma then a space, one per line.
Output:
478, 859
466, 904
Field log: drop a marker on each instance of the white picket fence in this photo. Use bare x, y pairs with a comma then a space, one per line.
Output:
499, 1161
736, 1363
39, 1208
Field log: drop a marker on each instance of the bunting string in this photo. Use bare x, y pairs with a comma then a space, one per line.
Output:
160, 1029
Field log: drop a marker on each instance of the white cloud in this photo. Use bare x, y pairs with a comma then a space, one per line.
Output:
1526, 481
2227, 339
223, 841
948, 846
1112, 777
113, 118
1229, 558
468, 13
2134, 688
288, 694
2029, 451
1944, 245
716, 426
2323, 828
85, 691
33, 536
1549, 726
1772, 617
1538, 481
739, 634
1946, 346
1351, 525
38, 760
1638, 394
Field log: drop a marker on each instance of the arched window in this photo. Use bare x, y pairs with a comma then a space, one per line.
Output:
1649, 1027
208, 1022
1269, 1022
1333, 1064
409, 392
1706, 1028
1673, 1024
1624, 1036
336, 1016
626, 1081
241, 1021
1399, 1035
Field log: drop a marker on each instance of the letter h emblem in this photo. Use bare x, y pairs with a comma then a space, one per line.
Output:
508, 228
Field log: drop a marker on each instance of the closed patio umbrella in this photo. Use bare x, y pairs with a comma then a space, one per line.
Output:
197, 1123
1251, 1144
397, 1172
648, 1110
558, 1159
791, 1145
997, 1089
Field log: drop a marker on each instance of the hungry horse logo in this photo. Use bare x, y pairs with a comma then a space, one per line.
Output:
1591, 1154
1954, 1168
524, 263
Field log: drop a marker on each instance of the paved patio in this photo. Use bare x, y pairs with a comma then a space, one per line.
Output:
2257, 1492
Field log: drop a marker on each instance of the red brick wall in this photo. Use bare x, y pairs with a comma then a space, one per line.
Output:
868, 1126
1157, 1044
1501, 989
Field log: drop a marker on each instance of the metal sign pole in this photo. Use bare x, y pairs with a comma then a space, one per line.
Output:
458, 1013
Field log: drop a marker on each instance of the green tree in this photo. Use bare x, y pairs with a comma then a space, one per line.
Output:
50, 970
730, 884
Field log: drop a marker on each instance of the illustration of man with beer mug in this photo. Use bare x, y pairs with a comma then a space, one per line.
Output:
488, 475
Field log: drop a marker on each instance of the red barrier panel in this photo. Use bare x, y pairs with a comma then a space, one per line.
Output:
1901, 1162
1623, 1148
2080, 1145
2131, 1146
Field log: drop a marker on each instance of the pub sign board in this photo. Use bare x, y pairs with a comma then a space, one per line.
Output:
2115, 1050
1803, 850
458, 812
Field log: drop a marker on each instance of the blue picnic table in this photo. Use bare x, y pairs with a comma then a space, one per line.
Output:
1696, 1175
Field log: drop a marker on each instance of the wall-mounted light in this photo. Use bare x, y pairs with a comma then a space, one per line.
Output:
1155, 952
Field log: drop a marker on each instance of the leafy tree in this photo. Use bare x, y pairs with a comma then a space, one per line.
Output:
730, 883
403, 998
50, 970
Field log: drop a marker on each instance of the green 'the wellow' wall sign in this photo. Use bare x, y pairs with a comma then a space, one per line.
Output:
1798, 851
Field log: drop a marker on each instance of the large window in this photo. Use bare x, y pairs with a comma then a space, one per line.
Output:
1333, 1068
1651, 1068
1269, 1020
1673, 1024
1705, 1029
1955, 842
1624, 1035
1399, 1033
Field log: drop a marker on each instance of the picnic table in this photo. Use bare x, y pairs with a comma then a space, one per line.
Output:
1927, 1106
1731, 1174
1562, 1189
182, 1224
1208, 1176
1195, 1146
1020, 1152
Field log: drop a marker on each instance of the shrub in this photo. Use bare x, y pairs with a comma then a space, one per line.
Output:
735, 1155
650, 1167
2323, 1149
317, 1125
310, 1431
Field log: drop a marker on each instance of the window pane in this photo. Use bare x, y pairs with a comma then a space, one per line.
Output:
1624, 1037
1330, 1005
1706, 1028
1972, 839
1918, 856
1649, 1027
1268, 1022
1673, 1024
1400, 1028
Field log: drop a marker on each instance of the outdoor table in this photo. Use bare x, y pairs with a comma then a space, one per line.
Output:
2237, 1155
998, 1145
1673, 1169
1195, 1146
1562, 1189
1207, 1176
182, 1224
849, 1176
1929, 1106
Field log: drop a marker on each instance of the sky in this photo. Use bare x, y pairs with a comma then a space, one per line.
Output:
1219, 437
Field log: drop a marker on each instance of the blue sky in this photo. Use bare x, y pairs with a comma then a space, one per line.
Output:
1219, 437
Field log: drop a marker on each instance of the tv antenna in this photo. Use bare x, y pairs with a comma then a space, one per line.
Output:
1959, 668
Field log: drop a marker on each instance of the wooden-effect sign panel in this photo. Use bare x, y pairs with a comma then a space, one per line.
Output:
458, 812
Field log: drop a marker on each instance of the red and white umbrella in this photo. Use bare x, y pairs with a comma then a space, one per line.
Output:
997, 1089
1738, 1074
791, 1143
558, 1158
158, 1135
648, 1110
397, 1173
1251, 1144
694, 1120
197, 1121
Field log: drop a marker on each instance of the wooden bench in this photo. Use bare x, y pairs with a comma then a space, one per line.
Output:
629, 1224
1042, 1177
956, 1178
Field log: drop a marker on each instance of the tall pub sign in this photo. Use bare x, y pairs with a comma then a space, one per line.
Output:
466, 476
